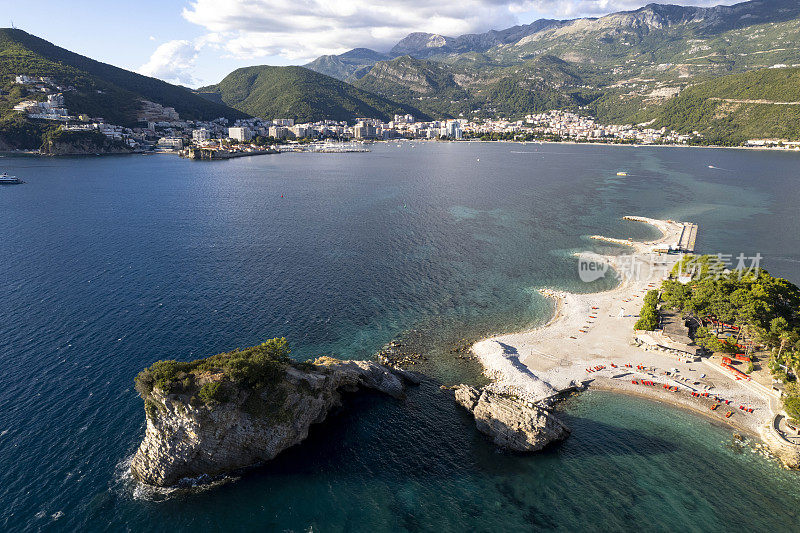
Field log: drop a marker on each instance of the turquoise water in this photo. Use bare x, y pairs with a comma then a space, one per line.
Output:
113, 263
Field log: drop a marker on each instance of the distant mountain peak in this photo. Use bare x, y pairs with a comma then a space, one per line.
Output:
416, 41
348, 64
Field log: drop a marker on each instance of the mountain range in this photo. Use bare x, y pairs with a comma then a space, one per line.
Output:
622, 67
680, 67
658, 31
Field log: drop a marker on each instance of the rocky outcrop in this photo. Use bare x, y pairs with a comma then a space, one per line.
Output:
787, 452
82, 148
512, 423
62, 142
188, 439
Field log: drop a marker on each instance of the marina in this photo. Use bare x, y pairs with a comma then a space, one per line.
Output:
335, 148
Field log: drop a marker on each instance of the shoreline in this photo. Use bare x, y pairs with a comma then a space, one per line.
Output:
590, 343
36, 153
656, 395
678, 401
620, 145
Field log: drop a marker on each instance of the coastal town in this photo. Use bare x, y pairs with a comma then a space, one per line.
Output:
161, 128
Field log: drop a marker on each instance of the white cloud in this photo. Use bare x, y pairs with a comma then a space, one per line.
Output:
172, 61
301, 30
304, 29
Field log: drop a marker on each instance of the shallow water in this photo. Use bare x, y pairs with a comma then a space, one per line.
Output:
113, 263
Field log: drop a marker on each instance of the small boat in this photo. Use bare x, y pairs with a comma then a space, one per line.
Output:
728, 414
622, 173
5, 179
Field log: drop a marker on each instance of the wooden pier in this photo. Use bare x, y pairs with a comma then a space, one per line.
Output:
212, 154
688, 237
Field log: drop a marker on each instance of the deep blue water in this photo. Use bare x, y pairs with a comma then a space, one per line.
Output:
112, 263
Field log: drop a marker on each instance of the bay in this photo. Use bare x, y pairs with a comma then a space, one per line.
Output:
112, 263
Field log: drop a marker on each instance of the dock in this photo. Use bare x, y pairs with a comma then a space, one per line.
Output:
213, 154
688, 237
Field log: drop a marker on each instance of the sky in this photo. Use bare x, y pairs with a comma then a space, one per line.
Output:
198, 42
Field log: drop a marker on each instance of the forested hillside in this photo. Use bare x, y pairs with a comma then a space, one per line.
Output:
100, 90
302, 94
731, 109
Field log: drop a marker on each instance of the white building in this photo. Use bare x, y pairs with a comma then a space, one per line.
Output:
27, 106
240, 134
452, 129
55, 100
365, 130
278, 132
170, 143
201, 135
300, 131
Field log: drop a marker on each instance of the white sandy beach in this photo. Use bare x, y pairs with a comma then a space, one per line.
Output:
596, 330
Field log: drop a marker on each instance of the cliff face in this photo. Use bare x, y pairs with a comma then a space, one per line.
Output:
82, 147
185, 439
512, 423
63, 142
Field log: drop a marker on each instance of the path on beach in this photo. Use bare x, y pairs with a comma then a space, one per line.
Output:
596, 329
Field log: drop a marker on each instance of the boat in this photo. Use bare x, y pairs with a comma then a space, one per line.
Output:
728, 414
622, 173
5, 179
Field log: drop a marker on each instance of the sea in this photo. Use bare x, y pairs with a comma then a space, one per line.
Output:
112, 263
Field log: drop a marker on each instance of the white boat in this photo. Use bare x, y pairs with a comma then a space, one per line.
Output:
5, 179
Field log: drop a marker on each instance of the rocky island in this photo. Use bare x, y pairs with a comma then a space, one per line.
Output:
513, 423
241, 408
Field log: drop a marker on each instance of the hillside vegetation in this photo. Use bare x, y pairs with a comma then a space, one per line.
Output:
734, 108
472, 87
251, 368
100, 89
350, 63
302, 94
426, 85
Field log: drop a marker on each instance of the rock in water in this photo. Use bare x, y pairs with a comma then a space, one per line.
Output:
210, 417
512, 423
